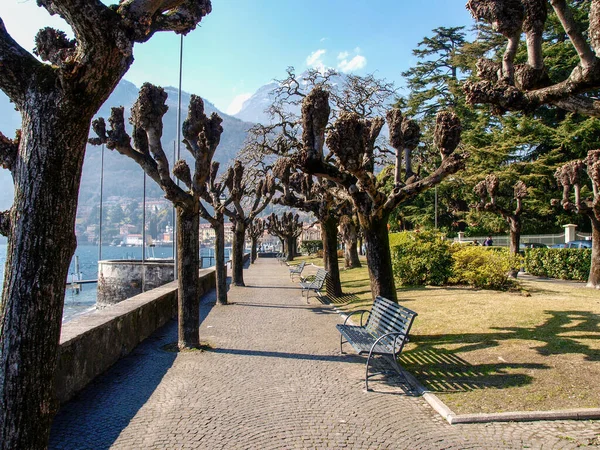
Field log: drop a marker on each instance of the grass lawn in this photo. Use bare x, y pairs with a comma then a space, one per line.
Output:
491, 351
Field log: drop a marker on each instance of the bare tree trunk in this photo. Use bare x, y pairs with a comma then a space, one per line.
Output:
254, 253
515, 239
40, 247
350, 236
290, 247
329, 231
188, 266
360, 245
379, 258
351, 255
220, 267
594, 278
239, 234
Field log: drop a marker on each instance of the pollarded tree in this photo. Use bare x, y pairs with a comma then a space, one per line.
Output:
351, 164
57, 96
490, 187
349, 230
201, 137
572, 176
325, 201
524, 87
255, 231
213, 194
287, 228
247, 202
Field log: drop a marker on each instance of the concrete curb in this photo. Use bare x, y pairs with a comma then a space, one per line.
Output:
512, 416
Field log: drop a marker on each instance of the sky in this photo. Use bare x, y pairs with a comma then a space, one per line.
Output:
245, 44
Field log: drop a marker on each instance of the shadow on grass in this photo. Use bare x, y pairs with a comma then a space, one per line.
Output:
562, 333
443, 370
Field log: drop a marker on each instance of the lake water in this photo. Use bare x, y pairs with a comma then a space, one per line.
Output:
85, 300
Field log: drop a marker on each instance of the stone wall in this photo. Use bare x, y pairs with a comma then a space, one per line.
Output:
124, 278
93, 342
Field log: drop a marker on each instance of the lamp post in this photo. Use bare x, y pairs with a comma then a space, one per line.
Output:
436, 208
101, 190
178, 156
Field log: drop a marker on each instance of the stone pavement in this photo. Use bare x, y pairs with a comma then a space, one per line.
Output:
274, 378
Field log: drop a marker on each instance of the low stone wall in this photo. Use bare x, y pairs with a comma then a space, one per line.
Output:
120, 279
93, 342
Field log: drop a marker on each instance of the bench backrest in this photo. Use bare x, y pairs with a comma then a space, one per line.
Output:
298, 268
319, 278
389, 317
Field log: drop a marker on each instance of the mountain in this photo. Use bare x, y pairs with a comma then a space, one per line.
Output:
253, 109
123, 177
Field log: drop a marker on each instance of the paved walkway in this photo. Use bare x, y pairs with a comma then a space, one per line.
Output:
274, 379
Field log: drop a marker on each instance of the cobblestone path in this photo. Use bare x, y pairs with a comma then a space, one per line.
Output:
273, 379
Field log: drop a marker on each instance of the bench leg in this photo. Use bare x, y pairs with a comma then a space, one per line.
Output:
367, 371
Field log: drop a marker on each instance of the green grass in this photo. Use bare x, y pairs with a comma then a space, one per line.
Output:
492, 351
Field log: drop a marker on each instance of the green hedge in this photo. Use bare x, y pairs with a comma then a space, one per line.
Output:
421, 258
311, 247
563, 263
425, 258
482, 267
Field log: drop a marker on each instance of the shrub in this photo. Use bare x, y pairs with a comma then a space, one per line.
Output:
482, 267
420, 258
563, 263
311, 247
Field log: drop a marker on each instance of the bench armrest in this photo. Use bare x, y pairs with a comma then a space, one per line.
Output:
396, 335
362, 312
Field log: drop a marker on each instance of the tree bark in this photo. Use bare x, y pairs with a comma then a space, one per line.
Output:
220, 267
329, 231
594, 278
290, 246
40, 247
379, 258
254, 254
239, 234
351, 255
188, 267
515, 239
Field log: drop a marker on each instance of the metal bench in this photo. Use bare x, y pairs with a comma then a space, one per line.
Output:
296, 269
384, 333
281, 257
313, 283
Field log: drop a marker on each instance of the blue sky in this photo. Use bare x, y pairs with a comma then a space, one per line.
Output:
244, 44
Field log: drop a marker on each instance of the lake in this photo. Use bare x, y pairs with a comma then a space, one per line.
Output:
85, 300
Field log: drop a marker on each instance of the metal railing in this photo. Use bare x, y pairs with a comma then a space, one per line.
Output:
547, 239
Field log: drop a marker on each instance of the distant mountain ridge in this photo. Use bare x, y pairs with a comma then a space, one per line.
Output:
122, 176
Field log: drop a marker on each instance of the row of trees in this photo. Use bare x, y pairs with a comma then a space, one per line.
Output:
328, 155
57, 96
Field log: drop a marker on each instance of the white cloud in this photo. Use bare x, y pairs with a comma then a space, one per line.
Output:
343, 55
236, 104
323, 39
356, 63
314, 59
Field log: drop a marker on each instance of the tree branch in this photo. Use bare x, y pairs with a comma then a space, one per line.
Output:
5, 223
563, 12
450, 164
87, 18
147, 17
9, 149
17, 67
